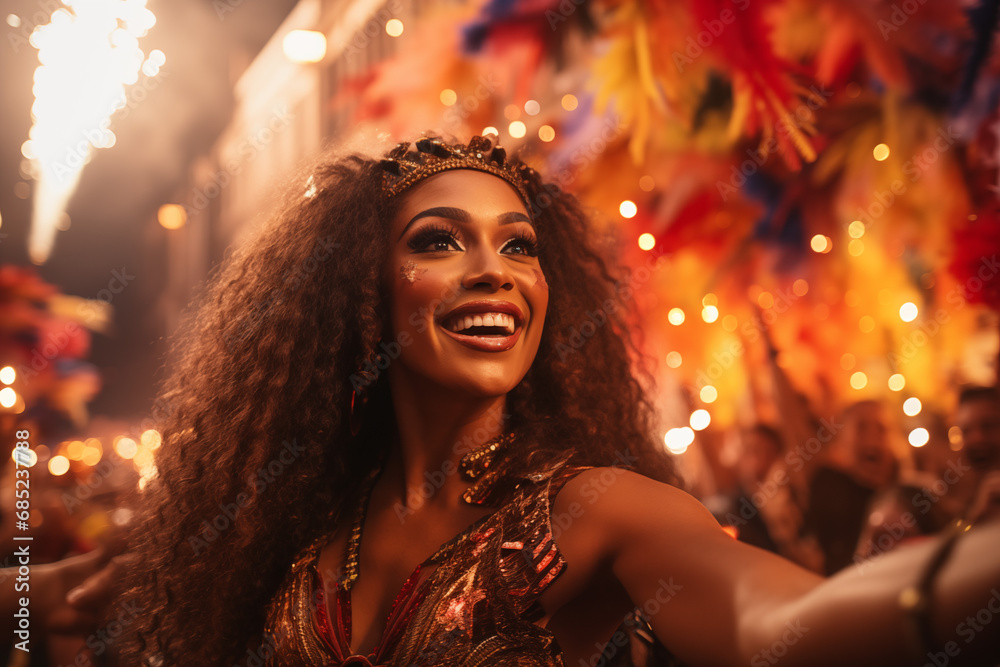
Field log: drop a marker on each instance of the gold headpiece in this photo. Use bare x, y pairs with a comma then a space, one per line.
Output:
402, 168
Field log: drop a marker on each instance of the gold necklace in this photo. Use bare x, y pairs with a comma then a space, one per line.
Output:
478, 460
471, 466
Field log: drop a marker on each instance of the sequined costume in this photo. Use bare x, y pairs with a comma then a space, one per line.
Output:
473, 603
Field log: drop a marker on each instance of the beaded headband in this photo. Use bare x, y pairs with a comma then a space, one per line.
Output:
403, 168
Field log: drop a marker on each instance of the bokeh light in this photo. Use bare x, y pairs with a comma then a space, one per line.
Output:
304, 46
820, 243
679, 439
394, 27
151, 438
700, 419
908, 311
126, 448
919, 437
58, 465
171, 216
8, 397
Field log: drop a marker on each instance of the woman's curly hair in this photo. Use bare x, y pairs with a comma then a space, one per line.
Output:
258, 456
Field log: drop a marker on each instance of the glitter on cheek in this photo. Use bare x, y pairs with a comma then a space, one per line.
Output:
540, 278
410, 271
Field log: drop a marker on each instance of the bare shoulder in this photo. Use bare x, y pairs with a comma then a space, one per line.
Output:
614, 506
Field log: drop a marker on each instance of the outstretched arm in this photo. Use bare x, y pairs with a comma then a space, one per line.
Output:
735, 604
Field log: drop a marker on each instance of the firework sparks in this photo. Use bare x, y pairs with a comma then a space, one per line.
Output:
88, 53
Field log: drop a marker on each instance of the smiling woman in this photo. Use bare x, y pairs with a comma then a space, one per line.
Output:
515, 506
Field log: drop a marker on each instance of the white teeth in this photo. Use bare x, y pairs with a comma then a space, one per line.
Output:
460, 323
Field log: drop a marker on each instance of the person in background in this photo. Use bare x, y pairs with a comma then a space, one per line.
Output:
978, 420
922, 502
839, 496
765, 510
949, 485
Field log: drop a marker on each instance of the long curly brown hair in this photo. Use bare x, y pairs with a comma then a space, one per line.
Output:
257, 454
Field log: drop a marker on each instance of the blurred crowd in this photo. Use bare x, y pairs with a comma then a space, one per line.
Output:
827, 494
832, 494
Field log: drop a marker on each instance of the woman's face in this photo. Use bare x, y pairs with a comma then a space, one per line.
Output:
467, 296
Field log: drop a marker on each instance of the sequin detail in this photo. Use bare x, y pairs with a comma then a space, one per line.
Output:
477, 606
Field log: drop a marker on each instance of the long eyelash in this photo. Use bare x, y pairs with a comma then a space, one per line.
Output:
433, 232
529, 244
430, 233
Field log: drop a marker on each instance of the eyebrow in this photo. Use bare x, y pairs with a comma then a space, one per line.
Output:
461, 215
